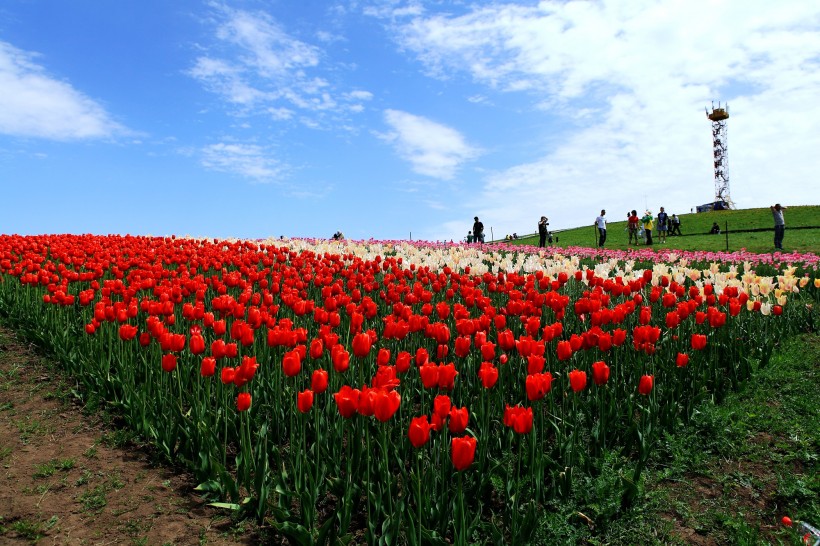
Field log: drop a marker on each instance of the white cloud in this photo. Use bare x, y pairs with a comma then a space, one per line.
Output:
35, 104
246, 160
632, 79
431, 148
256, 65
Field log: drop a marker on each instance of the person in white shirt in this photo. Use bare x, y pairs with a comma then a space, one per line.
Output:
600, 223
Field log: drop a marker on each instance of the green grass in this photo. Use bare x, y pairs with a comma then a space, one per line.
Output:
728, 476
695, 229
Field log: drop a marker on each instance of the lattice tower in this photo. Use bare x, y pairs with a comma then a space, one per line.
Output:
719, 116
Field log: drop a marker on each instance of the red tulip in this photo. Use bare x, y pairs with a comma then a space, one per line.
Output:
462, 346
777, 310
318, 381
128, 332
317, 349
459, 419
600, 373
682, 360
564, 350
383, 357
446, 376
488, 351
419, 432
519, 419
488, 374
538, 385
645, 385
442, 406
228, 375
169, 362
385, 404
243, 401
577, 380
462, 452
403, 362
291, 363
698, 342
340, 358
429, 375
347, 400
304, 400
361, 345
535, 364
208, 367
197, 344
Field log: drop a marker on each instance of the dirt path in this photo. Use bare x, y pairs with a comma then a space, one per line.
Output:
67, 479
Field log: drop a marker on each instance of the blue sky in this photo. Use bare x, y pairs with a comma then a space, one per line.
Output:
391, 119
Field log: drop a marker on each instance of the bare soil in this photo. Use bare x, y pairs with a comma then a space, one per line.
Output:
66, 478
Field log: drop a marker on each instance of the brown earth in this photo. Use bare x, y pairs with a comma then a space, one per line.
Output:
66, 478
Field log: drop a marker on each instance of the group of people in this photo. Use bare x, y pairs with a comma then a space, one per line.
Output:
476, 235
641, 228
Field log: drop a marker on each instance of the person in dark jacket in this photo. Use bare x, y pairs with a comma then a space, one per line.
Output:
543, 232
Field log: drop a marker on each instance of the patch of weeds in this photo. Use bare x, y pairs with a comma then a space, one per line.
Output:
66, 464
84, 477
45, 470
31, 427
94, 499
5, 452
27, 529
6, 406
118, 438
135, 527
140, 541
91, 452
115, 481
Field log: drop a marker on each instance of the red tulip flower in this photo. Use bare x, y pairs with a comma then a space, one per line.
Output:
459, 419
340, 358
600, 373
347, 400
446, 376
208, 367
304, 400
317, 349
318, 381
577, 380
442, 405
169, 362
646, 384
128, 332
519, 419
538, 385
385, 404
698, 342
564, 350
488, 375
228, 374
361, 345
462, 452
291, 363
682, 360
419, 432
243, 401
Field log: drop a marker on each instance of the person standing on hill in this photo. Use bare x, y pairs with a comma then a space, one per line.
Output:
779, 225
648, 223
675, 225
543, 231
663, 225
600, 223
478, 231
632, 226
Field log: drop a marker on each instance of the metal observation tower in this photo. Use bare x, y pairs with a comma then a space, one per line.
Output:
718, 116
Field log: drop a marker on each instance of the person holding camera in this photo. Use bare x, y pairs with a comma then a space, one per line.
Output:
543, 232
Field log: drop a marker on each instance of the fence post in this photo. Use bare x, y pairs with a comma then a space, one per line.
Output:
726, 226
492, 235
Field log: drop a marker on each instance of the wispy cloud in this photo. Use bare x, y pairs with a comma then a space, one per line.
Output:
431, 148
256, 65
36, 104
246, 160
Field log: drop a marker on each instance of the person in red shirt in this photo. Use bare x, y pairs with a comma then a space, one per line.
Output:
632, 227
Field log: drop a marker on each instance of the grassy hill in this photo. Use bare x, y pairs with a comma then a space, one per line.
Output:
695, 230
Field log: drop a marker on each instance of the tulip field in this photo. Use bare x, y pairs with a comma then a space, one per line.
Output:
396, 392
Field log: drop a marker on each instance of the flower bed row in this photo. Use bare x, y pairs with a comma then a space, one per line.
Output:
442, 392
